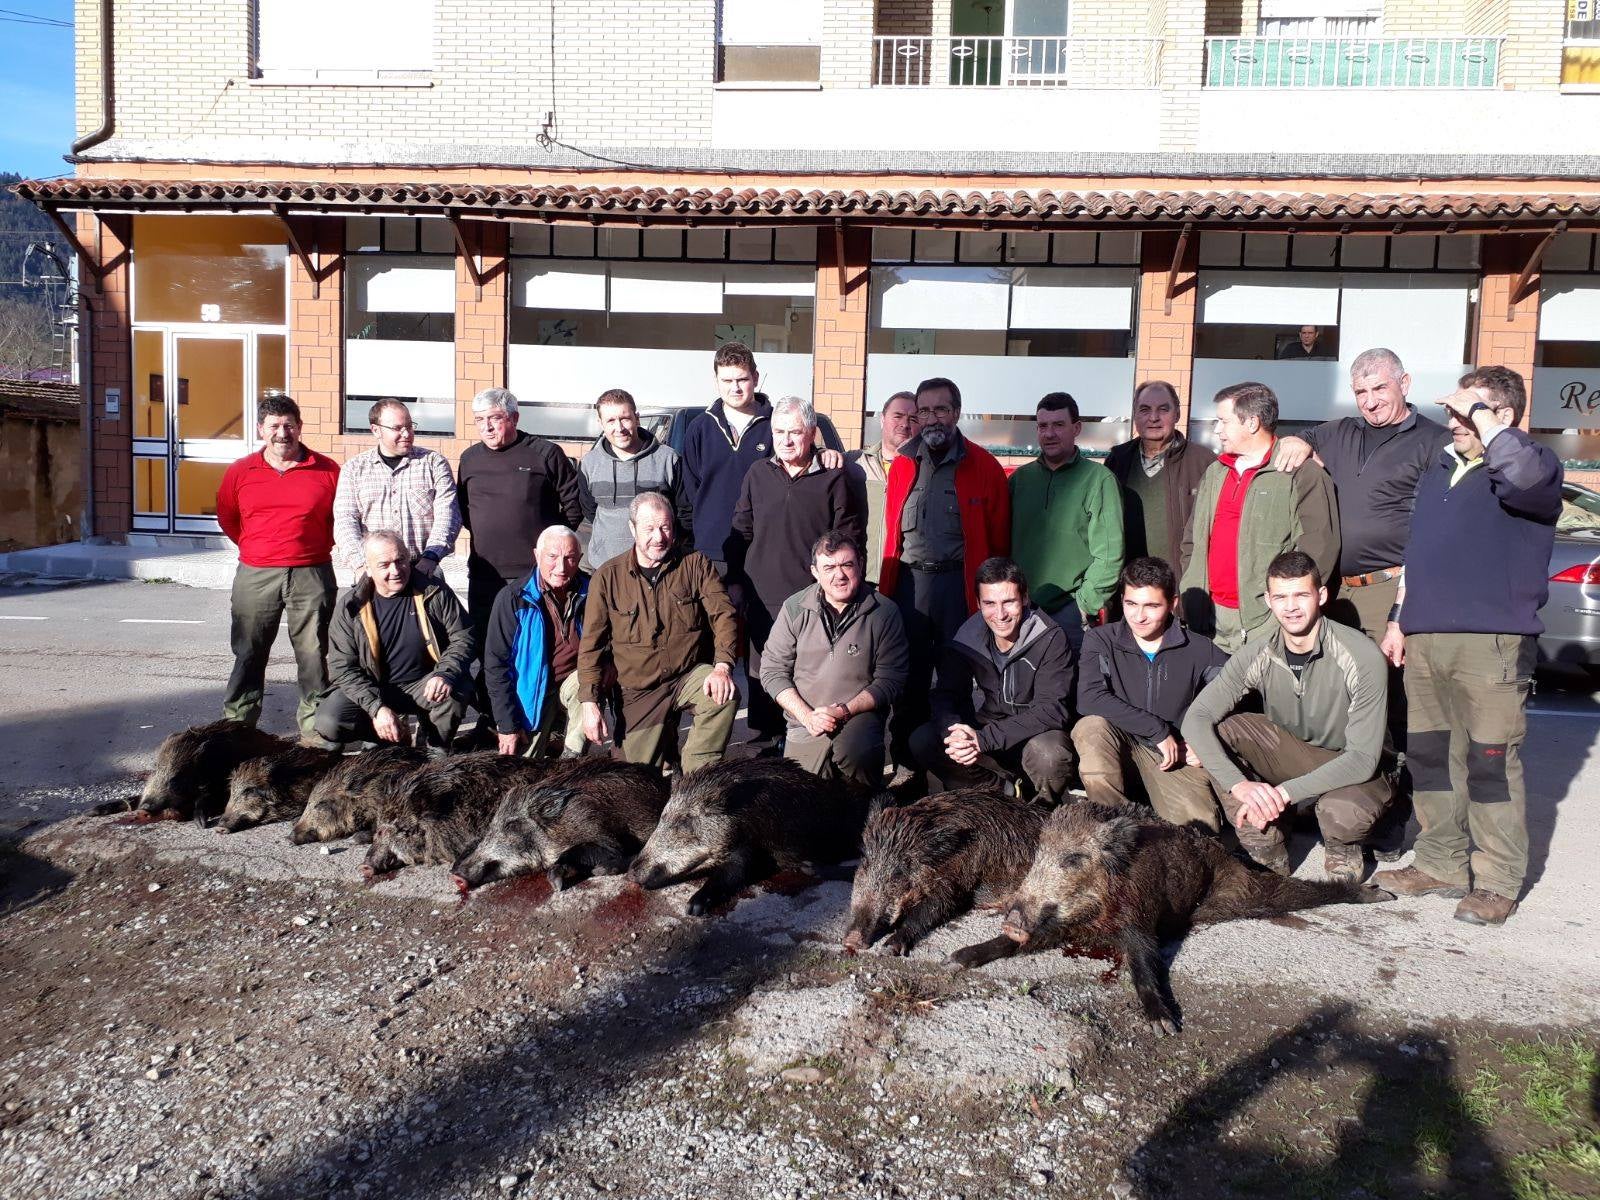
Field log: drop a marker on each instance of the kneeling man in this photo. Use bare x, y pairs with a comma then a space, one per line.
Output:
530, 657
1020, 663
1136, 679
659, 618
400, 644
1319, 742
835, 660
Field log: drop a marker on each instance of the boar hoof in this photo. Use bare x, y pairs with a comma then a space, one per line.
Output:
1163, 1026
896, 946
361, 837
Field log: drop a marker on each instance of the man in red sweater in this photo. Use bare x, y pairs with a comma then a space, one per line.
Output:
277, 507
947, 509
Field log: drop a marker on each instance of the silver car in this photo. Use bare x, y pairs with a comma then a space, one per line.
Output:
1571, 615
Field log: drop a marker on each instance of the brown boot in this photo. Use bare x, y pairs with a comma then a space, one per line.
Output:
1408, 881
1485, 908
1343, 862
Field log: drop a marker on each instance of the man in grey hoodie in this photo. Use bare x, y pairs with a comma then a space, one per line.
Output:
626, 462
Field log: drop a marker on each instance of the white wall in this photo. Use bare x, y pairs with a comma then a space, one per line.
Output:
995, 119
1352, 121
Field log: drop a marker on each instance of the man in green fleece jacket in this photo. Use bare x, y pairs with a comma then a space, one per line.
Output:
1066, 523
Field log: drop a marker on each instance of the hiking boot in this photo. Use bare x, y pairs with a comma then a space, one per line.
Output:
1343, 862
1273, 858
1485, 908
1408, 881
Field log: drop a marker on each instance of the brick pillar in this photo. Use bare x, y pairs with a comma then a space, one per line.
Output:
316, 332
839, 354
1182, 71
110, 471
847, 43
481, 322
1165, 346
1503, 338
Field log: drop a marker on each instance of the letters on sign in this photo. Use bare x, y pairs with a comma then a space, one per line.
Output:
1579, 397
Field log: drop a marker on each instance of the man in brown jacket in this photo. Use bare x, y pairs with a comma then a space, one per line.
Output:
1160, 472
660, 618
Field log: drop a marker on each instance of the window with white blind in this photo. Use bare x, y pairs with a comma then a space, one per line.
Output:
1320, 19
764, 41
352, 41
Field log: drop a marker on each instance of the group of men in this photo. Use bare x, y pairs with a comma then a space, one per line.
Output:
1073, 622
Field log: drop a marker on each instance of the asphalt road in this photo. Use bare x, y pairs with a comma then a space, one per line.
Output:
96, 674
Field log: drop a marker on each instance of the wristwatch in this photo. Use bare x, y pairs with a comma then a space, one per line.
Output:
1476, 406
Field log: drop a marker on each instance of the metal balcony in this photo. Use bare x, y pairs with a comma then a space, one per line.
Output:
1357, 62
966, 62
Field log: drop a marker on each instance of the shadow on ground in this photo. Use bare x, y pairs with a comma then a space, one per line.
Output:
26, 880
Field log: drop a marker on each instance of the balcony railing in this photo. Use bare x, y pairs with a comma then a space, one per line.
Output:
1463, 62
1075, 62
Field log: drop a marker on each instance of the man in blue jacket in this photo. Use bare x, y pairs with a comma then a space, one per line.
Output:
530, 657
1476, 577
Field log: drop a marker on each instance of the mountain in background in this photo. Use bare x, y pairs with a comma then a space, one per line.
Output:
26, 315
20, 224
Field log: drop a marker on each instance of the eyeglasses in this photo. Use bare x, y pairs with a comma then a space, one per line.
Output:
942, 411
398, 428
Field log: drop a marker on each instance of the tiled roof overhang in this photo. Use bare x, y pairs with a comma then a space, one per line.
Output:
1024, 208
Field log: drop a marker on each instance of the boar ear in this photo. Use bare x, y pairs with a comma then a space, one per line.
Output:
552, 803
1115, 840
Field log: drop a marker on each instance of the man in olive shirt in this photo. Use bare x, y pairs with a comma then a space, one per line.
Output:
868, 471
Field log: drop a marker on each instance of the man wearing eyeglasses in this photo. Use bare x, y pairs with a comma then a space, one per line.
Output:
947, 510
398, 487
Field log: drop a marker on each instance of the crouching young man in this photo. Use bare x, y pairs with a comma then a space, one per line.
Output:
1136, 679
1318, 744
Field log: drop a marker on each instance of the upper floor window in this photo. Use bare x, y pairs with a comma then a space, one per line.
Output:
763, 41
353, 41
1580, 55
1320, 18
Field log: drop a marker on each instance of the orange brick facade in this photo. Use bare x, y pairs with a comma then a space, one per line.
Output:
1165, 346
1508, 332
839, 356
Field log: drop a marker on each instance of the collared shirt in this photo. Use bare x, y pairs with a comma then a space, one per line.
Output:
1463, 464
1152, 464
833, 620
279, 517
417, 500
930, 521
1243, 466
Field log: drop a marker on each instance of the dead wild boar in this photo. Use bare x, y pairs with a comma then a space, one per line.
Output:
443, 808
930, 861
585, 817
1113, 879
356, 794
193, 766
734, 823
274, 788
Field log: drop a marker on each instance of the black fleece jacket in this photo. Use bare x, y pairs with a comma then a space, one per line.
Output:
508, 497
1029, 698
779, 519
1141, 697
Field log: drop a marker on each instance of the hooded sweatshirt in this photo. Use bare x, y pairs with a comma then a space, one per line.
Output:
607, 484
1030, 695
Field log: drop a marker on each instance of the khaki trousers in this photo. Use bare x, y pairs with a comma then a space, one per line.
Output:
708, 734
262, 596
1274, 755
562, 722
1467, 696
1181, 796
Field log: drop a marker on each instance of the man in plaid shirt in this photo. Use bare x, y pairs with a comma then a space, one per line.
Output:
399, 487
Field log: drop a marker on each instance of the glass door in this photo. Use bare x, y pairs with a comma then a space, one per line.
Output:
1036, 42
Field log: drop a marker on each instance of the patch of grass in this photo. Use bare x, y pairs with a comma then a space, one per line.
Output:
1553, 1072
1481, 1103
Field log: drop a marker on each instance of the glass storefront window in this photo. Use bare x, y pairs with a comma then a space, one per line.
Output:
400, 334
149, 385
1566, 377
210, 270
599, 309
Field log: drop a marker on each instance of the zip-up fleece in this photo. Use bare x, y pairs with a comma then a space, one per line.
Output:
607, 485
1281, 512
1339, 703
868, 652
1029, 698
1144, 698
516, 652
714, 467
777, 521
1066, 532
355, 661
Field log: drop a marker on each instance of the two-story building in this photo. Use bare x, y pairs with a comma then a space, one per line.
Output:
421, 198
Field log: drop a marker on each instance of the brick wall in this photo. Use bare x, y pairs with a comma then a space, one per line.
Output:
111, 366
905, 18
1165, 346
1424, 18
839, 354
1232, 18
1531, 57
1505, 338
847, 50
481, 319
1484, 18
1182, 69
492, 79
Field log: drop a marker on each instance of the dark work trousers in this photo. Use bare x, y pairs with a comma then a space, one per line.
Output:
933, 607
484, 584
765, 719
261, 597
341, 719
1045, 760
1367, 609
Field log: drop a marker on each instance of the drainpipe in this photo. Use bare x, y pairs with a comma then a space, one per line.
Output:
86, 530
107, 88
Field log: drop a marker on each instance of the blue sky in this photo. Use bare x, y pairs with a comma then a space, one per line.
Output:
35, 87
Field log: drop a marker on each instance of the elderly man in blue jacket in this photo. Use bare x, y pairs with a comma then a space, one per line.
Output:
530, 657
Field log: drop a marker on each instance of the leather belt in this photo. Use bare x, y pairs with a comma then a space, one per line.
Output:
1372, 577
933, 568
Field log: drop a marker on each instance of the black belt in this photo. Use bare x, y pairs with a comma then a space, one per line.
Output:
934, 568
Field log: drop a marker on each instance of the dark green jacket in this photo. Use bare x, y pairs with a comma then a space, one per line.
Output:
1066, 532
355, 660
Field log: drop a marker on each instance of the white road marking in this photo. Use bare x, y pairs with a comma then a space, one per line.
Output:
1586, 715
8, 618
155, 621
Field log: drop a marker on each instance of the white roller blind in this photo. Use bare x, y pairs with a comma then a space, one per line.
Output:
771, 23
1300, 9
379, 368
1422, 318
345, 35
1569, 309
571, 286
943, 298
386, 284
1268, 298
1072, 299
665, 288
771, 281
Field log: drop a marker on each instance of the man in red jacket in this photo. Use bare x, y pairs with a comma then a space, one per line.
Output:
277, 507
947, 510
